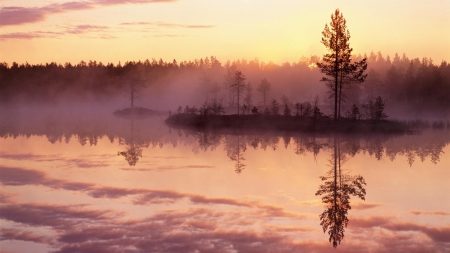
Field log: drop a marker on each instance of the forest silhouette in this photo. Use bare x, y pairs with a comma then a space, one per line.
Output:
406, 84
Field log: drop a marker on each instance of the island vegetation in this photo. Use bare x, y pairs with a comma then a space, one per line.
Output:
342, 74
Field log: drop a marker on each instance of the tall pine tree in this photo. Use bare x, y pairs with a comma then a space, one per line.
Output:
337, 64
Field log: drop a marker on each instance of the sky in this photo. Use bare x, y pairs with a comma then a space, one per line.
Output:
271, 30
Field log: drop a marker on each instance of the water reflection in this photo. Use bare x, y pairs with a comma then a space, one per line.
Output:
427, 145
235, 151
134, 149
336, 188
176, 199
139, 134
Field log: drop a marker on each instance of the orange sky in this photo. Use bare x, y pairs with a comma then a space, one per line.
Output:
122, 30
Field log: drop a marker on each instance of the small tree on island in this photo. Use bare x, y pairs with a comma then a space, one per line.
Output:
379, 109
354, 114
375, 111
316, 110
308, 110
245, 109
287, 110
255, 111
134, 86
275, 107
299, 108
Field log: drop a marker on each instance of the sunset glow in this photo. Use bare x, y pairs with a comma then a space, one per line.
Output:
224, 126
123, 30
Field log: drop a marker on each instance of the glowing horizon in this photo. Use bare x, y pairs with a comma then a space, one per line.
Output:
127, 30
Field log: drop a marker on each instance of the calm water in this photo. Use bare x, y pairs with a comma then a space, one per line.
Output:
94, 183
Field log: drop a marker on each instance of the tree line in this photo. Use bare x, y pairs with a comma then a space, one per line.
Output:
401, 82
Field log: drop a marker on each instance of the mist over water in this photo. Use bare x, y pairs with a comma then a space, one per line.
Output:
411, 88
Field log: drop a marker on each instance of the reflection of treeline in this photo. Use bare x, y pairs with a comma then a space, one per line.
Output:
315, 123
88, 130
427, 145
85, 128
400, 81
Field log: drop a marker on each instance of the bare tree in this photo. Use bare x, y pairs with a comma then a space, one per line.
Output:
134, 86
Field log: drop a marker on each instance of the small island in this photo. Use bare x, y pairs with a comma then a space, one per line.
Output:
265, 123
307, 118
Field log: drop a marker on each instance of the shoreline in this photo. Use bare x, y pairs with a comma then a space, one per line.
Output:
281, 123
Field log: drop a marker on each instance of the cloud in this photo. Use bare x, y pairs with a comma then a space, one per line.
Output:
313, 202
364, 205
199, 199
290, 229
438, 234
167, 35
168, 25
170, 157
204, 230
117, 2
14, 15
21, 15
81, 29
85, 163
13, 234
113, 192
19, 176
369, 222
79, 162
165, 168
244, 226
430, 213
50, 215
5, 197
31, 157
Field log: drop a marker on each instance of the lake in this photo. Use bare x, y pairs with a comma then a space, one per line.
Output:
92, 182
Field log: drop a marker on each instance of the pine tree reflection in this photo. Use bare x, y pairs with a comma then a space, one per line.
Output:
134, 149
304, 144
235, 151
336, 189
205, 141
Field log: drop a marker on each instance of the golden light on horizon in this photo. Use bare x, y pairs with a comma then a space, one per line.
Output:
113, 31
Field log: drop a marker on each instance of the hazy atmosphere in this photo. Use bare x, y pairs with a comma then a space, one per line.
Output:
224, 126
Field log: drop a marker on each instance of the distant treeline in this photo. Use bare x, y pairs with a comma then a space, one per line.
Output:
414, 83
